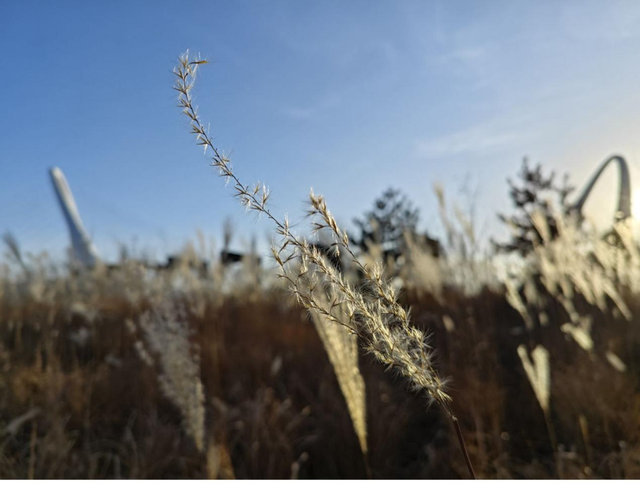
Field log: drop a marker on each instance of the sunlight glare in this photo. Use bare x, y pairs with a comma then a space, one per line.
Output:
635, 204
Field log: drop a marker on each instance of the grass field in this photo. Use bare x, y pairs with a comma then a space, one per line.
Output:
128, 372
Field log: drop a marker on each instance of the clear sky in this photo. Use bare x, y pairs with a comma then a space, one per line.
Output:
348, 97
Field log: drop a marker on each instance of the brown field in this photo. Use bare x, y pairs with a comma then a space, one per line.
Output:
79, 401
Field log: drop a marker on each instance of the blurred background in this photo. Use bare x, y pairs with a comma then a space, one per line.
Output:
345, 97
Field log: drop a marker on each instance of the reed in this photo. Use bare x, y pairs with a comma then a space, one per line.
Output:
372, 311
166, 344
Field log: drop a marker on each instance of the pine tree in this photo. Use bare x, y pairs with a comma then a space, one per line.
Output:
534, 192
392, 217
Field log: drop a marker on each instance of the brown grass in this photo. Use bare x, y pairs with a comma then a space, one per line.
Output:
273, 406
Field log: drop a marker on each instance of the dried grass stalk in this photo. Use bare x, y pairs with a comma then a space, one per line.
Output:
342, 349
166, 338
538, 372
371, 312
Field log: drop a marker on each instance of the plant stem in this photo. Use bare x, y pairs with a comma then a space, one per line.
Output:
554, 443
463, 446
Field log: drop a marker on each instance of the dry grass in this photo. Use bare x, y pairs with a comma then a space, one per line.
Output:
78, 401
371, 311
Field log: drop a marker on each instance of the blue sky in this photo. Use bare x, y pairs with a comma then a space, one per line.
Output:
347, 97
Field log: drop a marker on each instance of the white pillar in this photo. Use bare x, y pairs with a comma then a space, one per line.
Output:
84, 250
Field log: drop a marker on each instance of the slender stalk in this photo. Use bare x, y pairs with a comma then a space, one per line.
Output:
463, 446
554, 443
373, 312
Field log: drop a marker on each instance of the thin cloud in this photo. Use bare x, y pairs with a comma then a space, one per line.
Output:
480, 139
617, 21
312, 110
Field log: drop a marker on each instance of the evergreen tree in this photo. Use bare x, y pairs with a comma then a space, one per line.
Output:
392, 217
534, 192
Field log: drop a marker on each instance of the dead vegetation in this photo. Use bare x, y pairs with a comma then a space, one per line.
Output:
79, 399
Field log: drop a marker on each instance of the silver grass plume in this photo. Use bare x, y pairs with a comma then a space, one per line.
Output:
538, 372
166, 342
372, 312
342, 348
576, 264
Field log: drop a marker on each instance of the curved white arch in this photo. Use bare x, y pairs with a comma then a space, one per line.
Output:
624, 188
